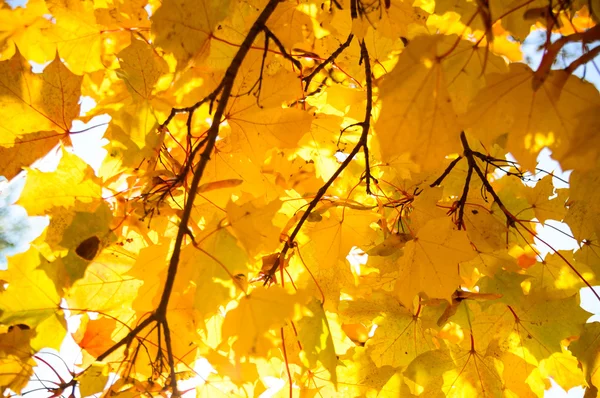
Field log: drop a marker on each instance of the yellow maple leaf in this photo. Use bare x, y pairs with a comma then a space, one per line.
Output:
105, 286
218, 267
46, 102
332, 237
544, 207
587, 349
564, 369
22, 25
185, 28
94, 380
533, 119
417, 114
141, 67
357, 376
16, 362
259, 312
73, 180
401, 335
531, 334
253, 223
315, 336
32, 299
554, 277
77, 36
583, 215
430, 262
25, 150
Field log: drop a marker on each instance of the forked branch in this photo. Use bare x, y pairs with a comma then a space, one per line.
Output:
329, 60
553, 50
361, 144
223, 93
471, 156
511, 219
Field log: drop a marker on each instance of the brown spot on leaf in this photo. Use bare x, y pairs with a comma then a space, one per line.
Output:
88, 248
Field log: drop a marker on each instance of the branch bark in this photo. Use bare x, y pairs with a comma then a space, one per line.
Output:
330, 59
552, 51
362, 144
224, 89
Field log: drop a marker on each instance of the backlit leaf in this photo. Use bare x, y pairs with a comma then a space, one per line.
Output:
184, 28
260, 311
430, 262
417, 114
32, 299
73, 180
47, 102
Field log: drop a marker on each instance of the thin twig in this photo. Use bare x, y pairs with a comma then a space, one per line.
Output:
446, 172
268, 276
473, 166
279, 45
463, 199
469, 154
366, 124
329, 60
553, 49
212, 134
582, 60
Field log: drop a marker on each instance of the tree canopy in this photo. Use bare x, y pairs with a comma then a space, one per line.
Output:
302, 197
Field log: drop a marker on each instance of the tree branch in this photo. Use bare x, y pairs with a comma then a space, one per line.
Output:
583, 59
224, 89
329, 60
553, 49
362, 142
366, 124
473, 167
446, 172
213, 131
279, 45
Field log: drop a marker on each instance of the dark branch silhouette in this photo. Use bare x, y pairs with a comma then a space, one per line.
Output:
222, 93
362, 144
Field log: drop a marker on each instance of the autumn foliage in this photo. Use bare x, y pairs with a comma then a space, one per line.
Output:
302, 197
